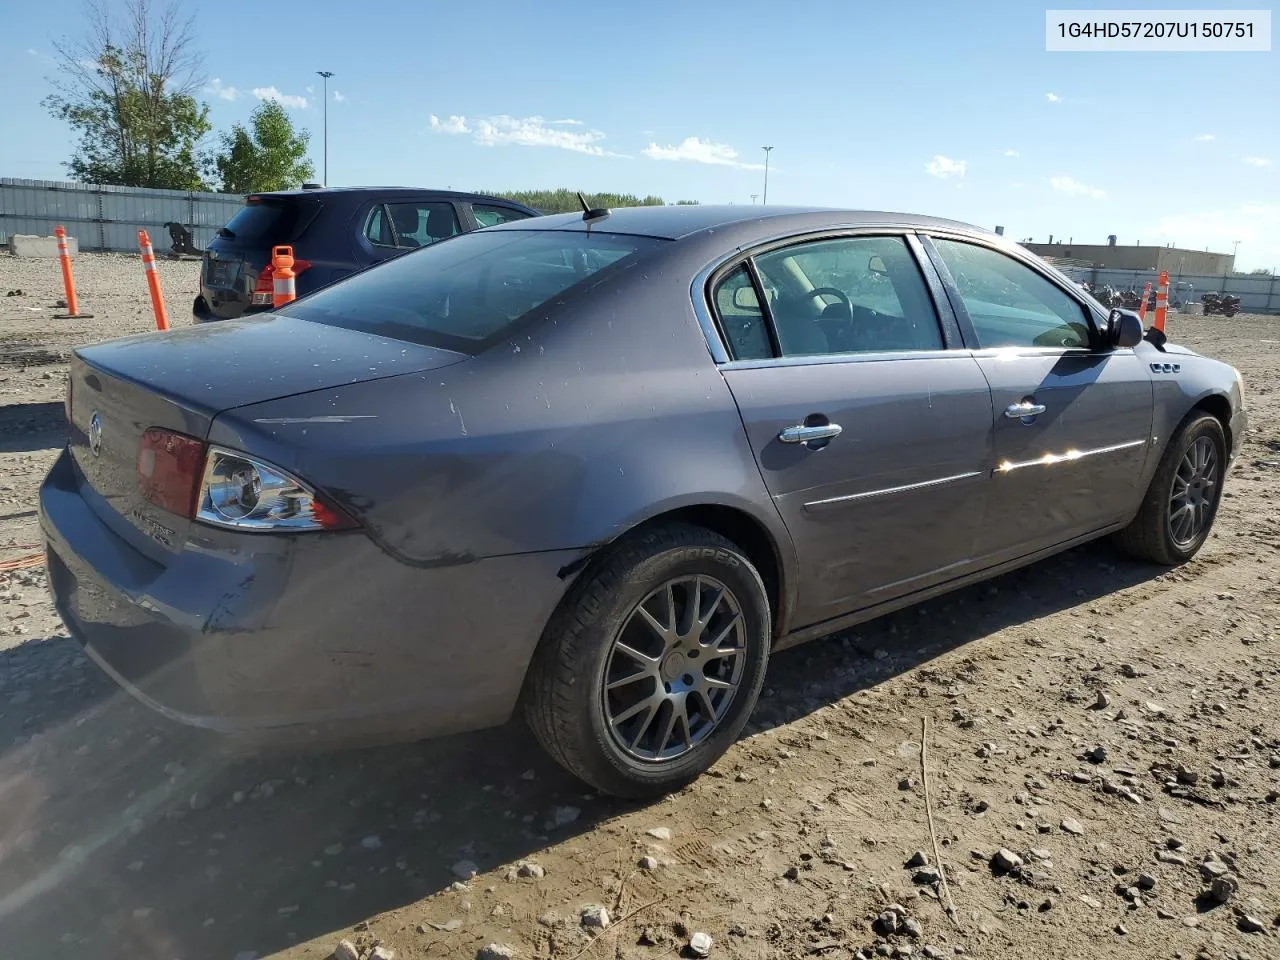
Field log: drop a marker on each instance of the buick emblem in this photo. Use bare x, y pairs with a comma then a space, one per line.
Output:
95, 433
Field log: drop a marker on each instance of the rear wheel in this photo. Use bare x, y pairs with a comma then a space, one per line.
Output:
651, 668
1178, 511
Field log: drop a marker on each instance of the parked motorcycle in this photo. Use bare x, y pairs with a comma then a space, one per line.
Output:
1220, 304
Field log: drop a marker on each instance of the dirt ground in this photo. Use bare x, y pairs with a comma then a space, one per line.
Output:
1113, 727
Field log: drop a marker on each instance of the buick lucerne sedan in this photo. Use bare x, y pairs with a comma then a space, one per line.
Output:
599, 467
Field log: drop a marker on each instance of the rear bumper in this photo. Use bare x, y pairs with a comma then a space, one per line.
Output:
320, 638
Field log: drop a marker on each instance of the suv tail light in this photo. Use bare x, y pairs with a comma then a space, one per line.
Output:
264, 290
226, 488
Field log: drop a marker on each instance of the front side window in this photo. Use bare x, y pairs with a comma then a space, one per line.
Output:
849, 295
1009, 304
420, 224
487, 215
468, 294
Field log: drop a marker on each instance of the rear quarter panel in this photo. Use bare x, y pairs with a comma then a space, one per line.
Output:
601, 414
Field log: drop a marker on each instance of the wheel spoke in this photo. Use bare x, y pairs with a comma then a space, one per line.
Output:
665, 740
707, 708
704, 616
728, 628
637, 655
650, 703
715, 683
629, 679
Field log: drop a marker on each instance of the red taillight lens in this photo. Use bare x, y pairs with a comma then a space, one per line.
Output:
170, 466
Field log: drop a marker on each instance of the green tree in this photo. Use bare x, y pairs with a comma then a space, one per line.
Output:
273, 156
127, 88
565, 200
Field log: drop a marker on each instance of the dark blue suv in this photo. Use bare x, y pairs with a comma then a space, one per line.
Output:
334, 232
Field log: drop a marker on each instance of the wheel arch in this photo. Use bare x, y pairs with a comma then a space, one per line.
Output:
1219, 406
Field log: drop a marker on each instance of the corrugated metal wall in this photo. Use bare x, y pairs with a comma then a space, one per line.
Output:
109, 218
1257, 294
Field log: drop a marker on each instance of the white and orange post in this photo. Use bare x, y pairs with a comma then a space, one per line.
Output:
283, 278
1162, 301
68, 281
1142, 307
153, 281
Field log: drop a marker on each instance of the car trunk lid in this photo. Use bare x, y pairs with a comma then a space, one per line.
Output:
181, 380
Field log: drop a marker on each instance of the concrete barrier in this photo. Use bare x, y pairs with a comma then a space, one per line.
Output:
26, 245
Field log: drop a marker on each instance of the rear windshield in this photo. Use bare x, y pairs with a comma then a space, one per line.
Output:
468, 292
264, 221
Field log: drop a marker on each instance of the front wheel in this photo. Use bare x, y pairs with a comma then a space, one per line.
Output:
651, 668
1182, 501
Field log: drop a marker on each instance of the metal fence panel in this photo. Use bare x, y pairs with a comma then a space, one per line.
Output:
1258, 294
105, 217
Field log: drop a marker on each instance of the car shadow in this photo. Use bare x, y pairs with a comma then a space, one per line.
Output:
26, 427
124, 835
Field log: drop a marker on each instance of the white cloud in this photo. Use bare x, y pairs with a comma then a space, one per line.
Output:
1257, 161
1053, 98
943, 167
1202, 137
1255, 225
1012, 153
567, 123
338, 97
700, 151
1075, 188
501, 130
32, 52
454, 124
285, 99
218, 90
310, 89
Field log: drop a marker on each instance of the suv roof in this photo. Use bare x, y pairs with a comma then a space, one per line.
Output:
407, 191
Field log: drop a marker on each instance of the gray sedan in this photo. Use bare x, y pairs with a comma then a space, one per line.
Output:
599, 467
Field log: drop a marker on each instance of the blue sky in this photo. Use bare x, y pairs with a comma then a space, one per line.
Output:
953, 109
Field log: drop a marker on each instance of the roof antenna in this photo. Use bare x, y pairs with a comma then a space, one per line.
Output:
588, 213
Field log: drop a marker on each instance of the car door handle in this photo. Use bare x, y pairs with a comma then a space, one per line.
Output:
1016, 411
802, 434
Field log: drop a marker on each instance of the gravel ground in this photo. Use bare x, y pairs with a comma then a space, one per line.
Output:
1103, 765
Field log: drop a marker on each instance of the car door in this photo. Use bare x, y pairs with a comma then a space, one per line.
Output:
871, 425
1073, 417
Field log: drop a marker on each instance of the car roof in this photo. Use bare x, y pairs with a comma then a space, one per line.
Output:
678, 221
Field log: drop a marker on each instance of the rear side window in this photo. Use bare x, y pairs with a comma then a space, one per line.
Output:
420, 224
265, 221
488, 216
468, 294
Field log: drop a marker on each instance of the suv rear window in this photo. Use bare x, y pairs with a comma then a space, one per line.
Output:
266, 221
469, 292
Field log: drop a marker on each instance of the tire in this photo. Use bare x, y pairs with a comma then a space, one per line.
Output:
581, 687
1154, 534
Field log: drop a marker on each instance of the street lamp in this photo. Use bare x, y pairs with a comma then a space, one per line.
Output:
765, 201
326, 74
753, 198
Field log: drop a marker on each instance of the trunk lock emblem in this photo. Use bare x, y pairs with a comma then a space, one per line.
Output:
95, 433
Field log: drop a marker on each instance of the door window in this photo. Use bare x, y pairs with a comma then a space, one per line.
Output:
741, 318
487, 215
1009, 304
422, 223
848, 295
378, 229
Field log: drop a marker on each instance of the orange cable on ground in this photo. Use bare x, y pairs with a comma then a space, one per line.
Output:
22, 563
153, 281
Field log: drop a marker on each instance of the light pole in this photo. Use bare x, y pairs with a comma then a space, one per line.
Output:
326, 74
765, 201
753, 198
1235, 248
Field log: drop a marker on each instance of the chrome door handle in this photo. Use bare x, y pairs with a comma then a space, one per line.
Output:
802, 434
1016, 411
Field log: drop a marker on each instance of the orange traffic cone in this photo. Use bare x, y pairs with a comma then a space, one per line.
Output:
1162, 301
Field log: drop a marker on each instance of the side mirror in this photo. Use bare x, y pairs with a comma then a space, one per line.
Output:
1124, 328
744, 298
876, 265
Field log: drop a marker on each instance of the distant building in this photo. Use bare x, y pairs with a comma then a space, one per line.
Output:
1154, 259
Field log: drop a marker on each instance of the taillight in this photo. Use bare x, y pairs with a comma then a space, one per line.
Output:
246, 493
169, 470
264, 290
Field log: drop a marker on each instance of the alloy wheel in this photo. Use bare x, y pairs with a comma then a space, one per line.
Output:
673, 668
1194, 493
